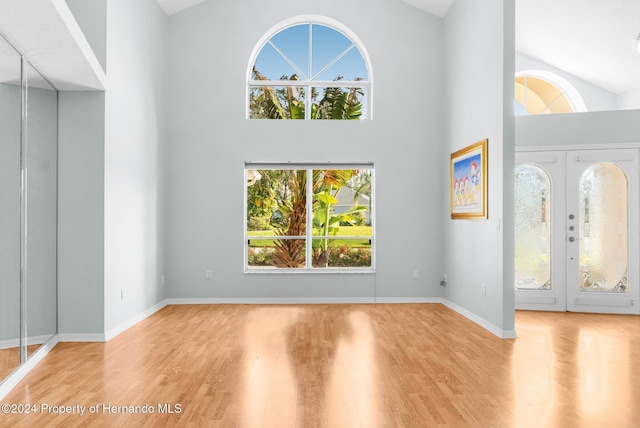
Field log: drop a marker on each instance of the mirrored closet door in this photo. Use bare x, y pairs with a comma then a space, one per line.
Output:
10, 129
39, 148
28, 210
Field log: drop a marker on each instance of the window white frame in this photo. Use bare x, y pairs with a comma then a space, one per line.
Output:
309, 82
567, 89
309, 237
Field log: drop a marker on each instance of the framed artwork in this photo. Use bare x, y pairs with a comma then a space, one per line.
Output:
468, 182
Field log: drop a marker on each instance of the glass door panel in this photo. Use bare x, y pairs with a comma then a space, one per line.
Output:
602, 225
532, 234
539, 250
604, 229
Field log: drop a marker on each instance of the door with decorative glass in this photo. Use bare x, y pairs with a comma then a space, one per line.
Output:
539, 247
576, 234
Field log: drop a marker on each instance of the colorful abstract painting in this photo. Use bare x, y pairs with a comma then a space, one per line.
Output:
468, 182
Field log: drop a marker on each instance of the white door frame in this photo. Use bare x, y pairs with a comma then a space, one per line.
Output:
605, 302
556, 299
553, 163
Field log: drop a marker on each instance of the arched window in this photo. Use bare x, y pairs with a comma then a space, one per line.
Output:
309, 67
540, 92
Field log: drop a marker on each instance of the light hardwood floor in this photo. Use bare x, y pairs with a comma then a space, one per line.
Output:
343, 366
10, 359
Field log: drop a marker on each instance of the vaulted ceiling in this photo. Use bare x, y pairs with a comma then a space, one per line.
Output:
591, 39
435, 7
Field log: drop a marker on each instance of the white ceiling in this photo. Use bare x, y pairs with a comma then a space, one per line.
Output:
46, 32
174, 6
435, 7
591, 39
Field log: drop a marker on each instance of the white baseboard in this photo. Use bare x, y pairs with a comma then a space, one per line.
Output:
271, 301
107, 336
12, 380
133, 321
407, 300
301, 300
82, 337
15, 343
503, 334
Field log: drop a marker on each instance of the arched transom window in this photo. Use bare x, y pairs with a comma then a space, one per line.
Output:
540, 92
309, 68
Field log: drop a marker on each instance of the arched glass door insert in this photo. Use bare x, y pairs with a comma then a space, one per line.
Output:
604, 229
532, 228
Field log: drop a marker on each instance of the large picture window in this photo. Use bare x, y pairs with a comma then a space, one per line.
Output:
309, 68
309, 217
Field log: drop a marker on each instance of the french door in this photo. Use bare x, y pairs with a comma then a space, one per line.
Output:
576, 231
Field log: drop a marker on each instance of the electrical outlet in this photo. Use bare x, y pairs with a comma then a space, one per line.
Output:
161, 279
208, 274
122, 294
484, 289
416, 274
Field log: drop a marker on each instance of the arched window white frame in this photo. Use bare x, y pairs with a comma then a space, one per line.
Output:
307, 79
563, 85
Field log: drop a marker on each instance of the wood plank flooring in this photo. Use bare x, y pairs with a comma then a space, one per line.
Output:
341, 366
10, 359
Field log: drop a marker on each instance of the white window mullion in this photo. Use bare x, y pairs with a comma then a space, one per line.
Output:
336, 59
308, 103
286, 58
317, 83
309, 227
307, 109
244, 215
310, 61
525, 94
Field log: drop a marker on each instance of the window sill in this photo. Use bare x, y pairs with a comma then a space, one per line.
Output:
314, 271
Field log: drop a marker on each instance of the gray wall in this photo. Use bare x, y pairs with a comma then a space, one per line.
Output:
81, 213
134, 132
91, 16
578, 128
479, 104
209, 138
111, 172
629, 100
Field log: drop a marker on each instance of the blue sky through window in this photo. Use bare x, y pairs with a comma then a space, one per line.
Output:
327, 44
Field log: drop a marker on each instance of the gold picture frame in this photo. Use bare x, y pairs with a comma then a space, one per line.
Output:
468, 182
